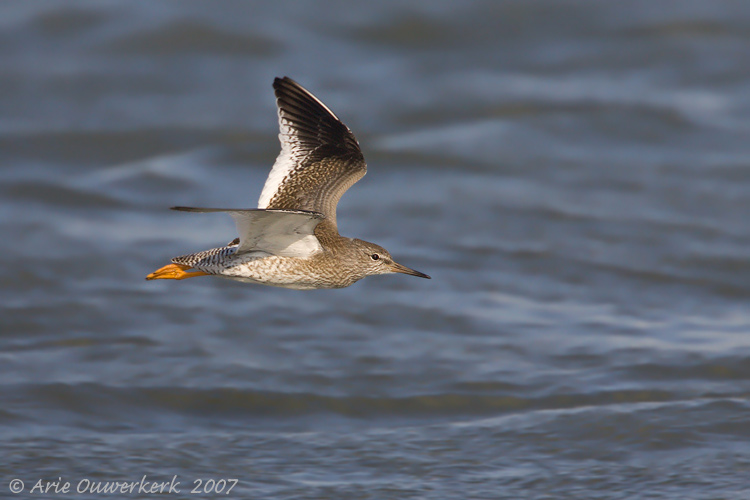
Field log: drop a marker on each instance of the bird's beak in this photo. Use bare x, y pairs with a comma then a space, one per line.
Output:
398, 268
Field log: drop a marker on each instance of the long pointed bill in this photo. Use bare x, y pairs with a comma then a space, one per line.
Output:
398, 268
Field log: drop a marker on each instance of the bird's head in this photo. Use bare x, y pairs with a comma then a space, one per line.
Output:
376, 260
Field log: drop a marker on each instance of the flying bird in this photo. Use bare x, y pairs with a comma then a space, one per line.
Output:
291, 240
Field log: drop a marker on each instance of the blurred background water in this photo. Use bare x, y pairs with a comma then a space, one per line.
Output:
574, 176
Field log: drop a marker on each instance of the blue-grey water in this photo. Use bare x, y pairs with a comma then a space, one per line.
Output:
575, 176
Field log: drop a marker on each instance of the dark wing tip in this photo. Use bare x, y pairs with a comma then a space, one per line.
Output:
286, 85
314, 125
283, 81
293, 98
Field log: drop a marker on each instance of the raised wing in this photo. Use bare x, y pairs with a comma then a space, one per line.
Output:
287, 233
320, 158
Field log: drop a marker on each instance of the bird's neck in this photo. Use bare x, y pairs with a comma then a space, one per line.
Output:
328, 234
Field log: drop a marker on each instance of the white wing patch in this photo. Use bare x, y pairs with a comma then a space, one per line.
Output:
285, 233
278, 232
285, 163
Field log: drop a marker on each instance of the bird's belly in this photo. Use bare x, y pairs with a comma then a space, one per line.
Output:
284, 272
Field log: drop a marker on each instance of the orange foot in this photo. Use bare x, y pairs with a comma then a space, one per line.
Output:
174, 272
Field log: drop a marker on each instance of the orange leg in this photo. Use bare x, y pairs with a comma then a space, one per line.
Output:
174, 272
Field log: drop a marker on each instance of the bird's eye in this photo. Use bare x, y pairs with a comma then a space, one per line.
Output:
375, 256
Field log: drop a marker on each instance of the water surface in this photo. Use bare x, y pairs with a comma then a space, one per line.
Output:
574, 176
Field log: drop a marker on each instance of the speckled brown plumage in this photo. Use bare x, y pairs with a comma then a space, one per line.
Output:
329, 160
